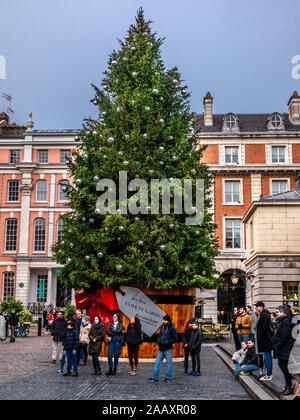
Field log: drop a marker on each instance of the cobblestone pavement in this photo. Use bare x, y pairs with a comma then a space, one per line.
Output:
27, 373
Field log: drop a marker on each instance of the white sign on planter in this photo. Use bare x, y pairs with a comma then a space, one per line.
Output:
136, 303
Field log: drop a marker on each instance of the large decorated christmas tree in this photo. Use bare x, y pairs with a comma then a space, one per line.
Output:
145, 128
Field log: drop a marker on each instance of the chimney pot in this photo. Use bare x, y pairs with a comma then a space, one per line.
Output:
207, 102
293, 105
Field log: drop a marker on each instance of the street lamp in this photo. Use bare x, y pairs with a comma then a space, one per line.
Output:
234, 278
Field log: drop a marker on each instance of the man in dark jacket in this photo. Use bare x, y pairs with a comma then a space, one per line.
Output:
70, 344
250, 362
77, 324
167, 337
264, 342
58, 332
13, 323
195, 348
282, 345
186, 341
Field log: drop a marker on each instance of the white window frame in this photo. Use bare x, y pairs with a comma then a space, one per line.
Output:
60, 155
285, 154
62, 182
240, 180
288, 185
9, 251
8, 183
34, 236
10, 274
38, 156
58, 227
41, 182
238, 146
10, 156
233, 250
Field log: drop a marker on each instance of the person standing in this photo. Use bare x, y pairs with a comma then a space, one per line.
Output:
70, 347
195, 349
233, 329
78, 318
114, 333
58, 332
84, 339
294, 365
186, 341
133, 338
254, 321
2, 328
282, 345
263, 338
44, 317
51, 318
167, 337
96, 337
13, 323
243, 325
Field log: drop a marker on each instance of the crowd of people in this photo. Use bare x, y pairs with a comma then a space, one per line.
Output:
260, 337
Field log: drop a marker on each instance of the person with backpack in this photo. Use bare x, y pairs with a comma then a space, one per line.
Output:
195, 349
134, 338
263, 339
96, 337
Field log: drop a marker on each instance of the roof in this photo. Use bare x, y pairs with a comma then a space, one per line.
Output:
246, 123
292, 195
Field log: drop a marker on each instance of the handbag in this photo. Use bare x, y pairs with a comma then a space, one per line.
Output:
123, 343
107, 339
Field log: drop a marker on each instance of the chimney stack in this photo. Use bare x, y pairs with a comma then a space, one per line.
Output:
207, 102
293, 105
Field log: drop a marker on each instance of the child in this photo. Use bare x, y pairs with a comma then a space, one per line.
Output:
70, 346
195, 348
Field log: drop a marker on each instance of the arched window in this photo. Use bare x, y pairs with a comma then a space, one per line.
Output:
230, 121
13, 191
275, 122
62, 191
59, 230
41, 193
39, 236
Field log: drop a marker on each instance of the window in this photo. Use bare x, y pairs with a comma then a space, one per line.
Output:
13, 191
275, 121
39, 235
278, 154
59, 234
232, 192
291, 293
231, 154
8, 284
14, 156
11, 231
42, 156
41, 191
64, 154
233, 234
230, 122
62, 191
279, 187
42, 288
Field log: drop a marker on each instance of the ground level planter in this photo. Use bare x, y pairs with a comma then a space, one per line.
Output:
179, 303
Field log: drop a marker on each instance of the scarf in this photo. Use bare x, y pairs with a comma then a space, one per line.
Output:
97, 325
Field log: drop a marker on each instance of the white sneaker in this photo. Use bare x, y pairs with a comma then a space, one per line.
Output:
266, 378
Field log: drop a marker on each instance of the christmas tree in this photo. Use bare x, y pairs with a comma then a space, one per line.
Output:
145, 128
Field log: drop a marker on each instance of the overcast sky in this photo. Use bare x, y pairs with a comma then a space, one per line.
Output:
239, 50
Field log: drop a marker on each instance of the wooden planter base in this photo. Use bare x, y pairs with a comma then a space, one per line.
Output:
179, 303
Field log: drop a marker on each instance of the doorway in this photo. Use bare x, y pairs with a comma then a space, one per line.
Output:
230, 295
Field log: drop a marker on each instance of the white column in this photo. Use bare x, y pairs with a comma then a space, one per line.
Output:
23, 276
256, 188
49, 287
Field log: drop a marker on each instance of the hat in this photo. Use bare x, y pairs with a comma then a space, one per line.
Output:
260, 303
87, 318
167, 318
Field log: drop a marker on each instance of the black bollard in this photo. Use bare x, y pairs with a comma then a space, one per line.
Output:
39, 327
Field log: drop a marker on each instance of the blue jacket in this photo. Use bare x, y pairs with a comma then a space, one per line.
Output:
167, 337
115, 333
70, 340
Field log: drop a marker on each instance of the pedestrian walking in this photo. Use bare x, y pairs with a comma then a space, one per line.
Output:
233, 329
250, 362
84, 339
243, 325
282, 345
96, 337
134, 338
167, 337
2, 328
264, 339
195, 349
294, 365
239, 355
254, 321
186, 341
13, 323
114, 336
58, 332
70, 347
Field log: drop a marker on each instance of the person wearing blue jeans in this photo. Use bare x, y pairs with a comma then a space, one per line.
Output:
114, 332
264, 340
250, 362
70, 344
167, 337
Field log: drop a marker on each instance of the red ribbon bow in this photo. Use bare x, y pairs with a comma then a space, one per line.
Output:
99, 303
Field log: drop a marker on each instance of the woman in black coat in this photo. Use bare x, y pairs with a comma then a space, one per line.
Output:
96, 337
282, 345
134, 337
264, 341
186, 341
195, 348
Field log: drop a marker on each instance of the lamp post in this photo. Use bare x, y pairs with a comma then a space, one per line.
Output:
234, 278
